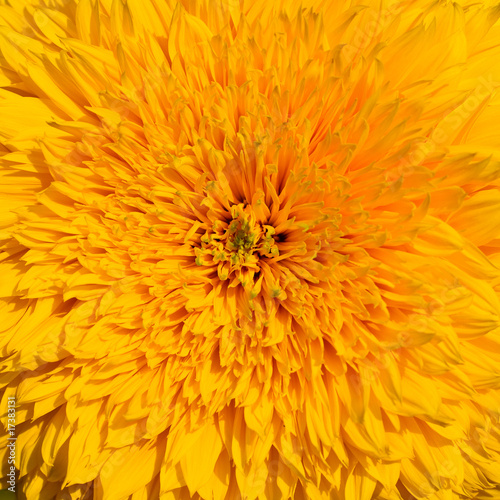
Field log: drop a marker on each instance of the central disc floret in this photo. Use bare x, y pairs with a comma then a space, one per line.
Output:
241, 236
245, 238
238, 245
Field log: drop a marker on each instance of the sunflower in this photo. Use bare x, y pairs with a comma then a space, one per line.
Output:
250, 249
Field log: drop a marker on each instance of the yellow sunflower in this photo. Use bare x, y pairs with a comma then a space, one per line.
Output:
250, 249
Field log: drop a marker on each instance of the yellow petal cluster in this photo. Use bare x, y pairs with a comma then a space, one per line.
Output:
251, 249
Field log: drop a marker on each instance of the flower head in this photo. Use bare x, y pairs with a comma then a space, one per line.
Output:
251, 249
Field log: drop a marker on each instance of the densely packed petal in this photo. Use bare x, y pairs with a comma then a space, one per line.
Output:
251, 249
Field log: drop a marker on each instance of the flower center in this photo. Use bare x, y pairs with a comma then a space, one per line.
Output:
241, 236
238, 245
